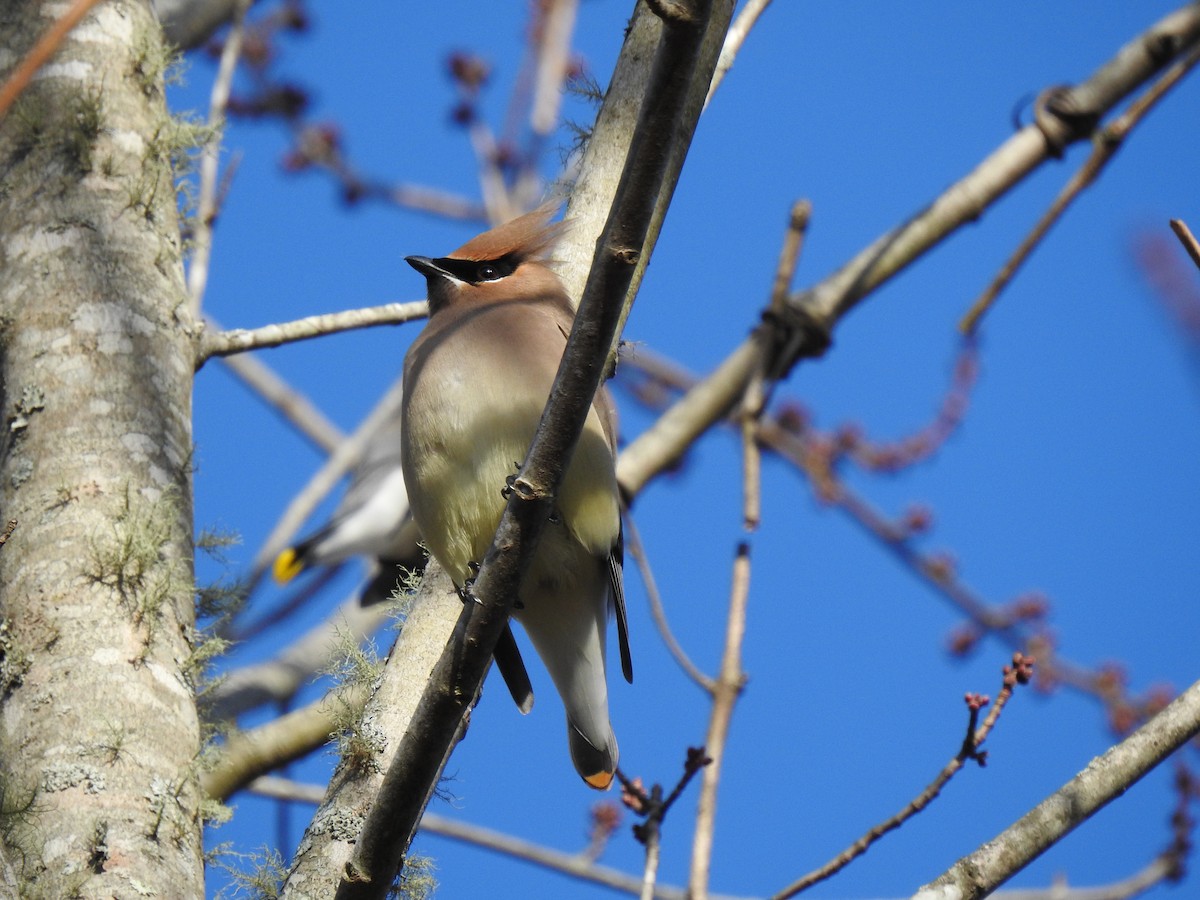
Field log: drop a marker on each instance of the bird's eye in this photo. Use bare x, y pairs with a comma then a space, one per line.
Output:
488, 273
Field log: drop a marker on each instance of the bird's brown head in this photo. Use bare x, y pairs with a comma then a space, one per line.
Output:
506, 263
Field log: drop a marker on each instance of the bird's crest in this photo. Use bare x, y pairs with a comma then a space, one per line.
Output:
527, 237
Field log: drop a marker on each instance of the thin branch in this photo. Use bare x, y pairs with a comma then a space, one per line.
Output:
294, 406
206, 208
650, 866
1190, 244
1019, 673
239, 340
1104, 147
752, 406
456, 682
730, 683
40, 53
555, 29
738, 32
496, 199
637, 550
1106, 778
575, 865
755, 398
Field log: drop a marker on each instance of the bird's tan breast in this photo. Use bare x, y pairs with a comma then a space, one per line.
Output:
475, 386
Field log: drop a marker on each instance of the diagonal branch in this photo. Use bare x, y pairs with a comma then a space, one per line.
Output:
1190, 244
239, 340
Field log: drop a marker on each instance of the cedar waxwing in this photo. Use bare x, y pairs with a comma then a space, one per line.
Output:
373, 519
476, 380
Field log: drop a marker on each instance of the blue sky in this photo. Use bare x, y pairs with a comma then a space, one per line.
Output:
1075, 473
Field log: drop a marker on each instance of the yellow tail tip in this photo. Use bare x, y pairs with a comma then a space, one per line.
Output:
600, 781
287, 566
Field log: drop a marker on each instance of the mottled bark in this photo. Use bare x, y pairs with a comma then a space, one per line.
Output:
98, 729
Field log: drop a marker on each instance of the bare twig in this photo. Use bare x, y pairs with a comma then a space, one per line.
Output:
1106, 778
638, 551
729, 687
653, 809
736, 36
754, 399
206, 204
497, 201
752, 406
239, 340
1105, 145
1019, 673
789, 253
650, 867
552, 51
1190, 244
40, 52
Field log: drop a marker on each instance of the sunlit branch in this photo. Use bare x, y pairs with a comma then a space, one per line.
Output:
1190, 244
729, 686
277, 679
738, 32
248, 754
240, 340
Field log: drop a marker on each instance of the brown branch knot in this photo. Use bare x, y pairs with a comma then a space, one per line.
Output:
673, 12
1062, 118
794, 333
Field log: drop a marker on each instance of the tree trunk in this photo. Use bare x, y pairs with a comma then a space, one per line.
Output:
98, 731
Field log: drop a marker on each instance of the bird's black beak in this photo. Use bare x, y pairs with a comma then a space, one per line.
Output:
425, 265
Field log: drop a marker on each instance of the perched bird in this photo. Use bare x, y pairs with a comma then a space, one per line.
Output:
476, 381
373, 520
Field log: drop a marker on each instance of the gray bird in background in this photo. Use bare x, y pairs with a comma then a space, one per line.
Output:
475, 382
372, 520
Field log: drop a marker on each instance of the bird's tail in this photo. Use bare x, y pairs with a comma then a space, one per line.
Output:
596, 764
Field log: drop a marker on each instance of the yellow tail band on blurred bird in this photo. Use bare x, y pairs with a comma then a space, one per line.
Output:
287, 566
